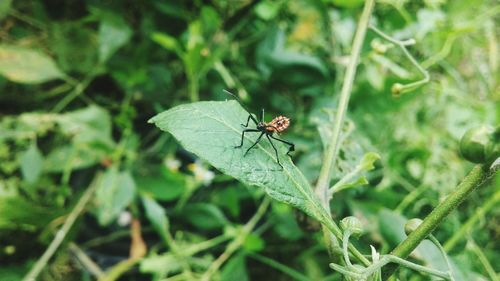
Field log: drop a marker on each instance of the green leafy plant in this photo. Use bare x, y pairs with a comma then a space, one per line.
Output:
393, 110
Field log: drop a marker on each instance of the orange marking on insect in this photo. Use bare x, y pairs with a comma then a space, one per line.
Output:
278, 124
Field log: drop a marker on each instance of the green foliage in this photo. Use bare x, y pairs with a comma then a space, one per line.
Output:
114, 193
80, 79
209, 129
24, 65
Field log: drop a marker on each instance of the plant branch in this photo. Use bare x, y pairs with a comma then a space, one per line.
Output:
61, 233
86, 261
281, 267
237, 242
399, 88
345, 93
483, 259
470, 182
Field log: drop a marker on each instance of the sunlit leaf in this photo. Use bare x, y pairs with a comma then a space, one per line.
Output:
168, 42
31, 163
114, 193
24, 65
156, 215
113, 34
212, 129
161, 265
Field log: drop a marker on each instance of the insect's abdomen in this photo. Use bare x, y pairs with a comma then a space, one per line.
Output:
278, 124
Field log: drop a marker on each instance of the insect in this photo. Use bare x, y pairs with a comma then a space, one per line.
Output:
268, 129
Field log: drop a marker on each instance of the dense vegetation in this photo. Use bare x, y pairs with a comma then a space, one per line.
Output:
90, 190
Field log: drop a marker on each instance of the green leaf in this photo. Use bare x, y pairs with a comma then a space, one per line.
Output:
286, 66
253, 243
168, 42
235, 269
4, 7
205, 216
17, 212
88, 125
161, 265
90, 132
31, 164
113, 34
74, 156
267, 10
367, 163
24, 65
114, 193
156, 215
212, 129
73, 41
162, 184
391, 225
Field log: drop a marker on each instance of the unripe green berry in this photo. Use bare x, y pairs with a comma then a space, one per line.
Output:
396, 89
352, 224
411, 225
477, 144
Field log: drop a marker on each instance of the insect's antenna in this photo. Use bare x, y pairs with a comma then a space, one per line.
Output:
241, 103
237, 98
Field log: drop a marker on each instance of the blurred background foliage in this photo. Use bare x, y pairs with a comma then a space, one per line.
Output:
79, 80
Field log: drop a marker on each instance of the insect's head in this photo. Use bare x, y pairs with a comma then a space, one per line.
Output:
261, 125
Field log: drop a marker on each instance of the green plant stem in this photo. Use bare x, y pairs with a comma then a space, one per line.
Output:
204, 245
281, 267
77, 91
331, 154
86, 261
364, 274
470, 182
443, 252
479, 213
193, 87
411, 197
402, 45
61, 233
237, 242
345, 242
483, 259
345, 93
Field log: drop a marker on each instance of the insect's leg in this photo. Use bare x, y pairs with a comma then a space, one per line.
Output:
290, 149
254, 144
275, 150
248, 120
243, 136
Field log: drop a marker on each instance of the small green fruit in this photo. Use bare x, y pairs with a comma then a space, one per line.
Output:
396, 89
477, 144
411, 225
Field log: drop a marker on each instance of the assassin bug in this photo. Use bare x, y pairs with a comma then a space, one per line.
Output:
277, 125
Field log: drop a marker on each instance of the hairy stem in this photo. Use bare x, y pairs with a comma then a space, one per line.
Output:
345, 93
470, 182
